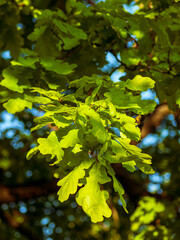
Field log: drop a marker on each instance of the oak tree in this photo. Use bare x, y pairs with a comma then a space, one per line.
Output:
74, 73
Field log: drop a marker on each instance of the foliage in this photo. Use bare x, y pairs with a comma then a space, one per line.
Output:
87, 121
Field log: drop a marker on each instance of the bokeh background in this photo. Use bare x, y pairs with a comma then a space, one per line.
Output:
29, 208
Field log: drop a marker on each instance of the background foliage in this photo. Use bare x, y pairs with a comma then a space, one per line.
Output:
85, 77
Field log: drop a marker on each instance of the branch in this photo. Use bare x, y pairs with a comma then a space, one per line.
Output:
122, 63
91, 2
15, 194
169, 71
154, 120
177, 117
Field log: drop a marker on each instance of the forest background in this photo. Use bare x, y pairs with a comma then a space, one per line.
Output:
84, 85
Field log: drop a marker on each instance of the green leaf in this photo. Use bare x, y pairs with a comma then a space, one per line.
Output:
146, 212
16, 105
92, 198
93, 95
131, 131
37, 33
119, 98
117, 149
112, 109
15, 79
123, 118
51, 145
51, 109
117, 187
146, 106
89, 82
102, 151
98, 130
50, 94
142, 159
71, 139
57, 66
163, 36
145, 168
41, 122
140, 83
69, 183
32, 152
25, 62
130, 57
69, 34
40, 100
61, 121
47, 44
130, 166
124, 100
77, 148
178, 97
